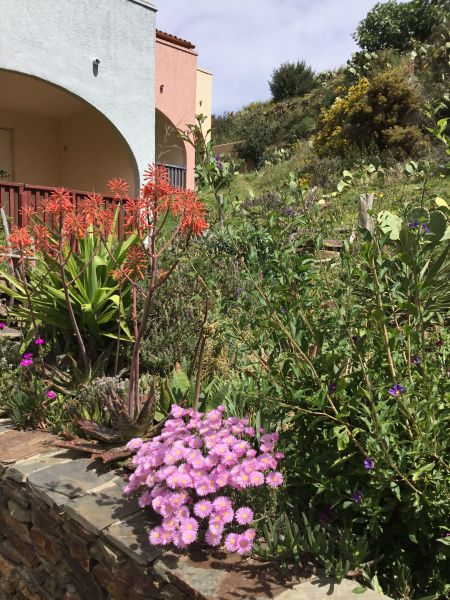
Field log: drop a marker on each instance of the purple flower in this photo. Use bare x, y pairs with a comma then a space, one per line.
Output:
357, 496
332, 387
289, 211
396, 390
425, 227
51, 394
369, 464
355, 338
28, 355
416, 360
414, 224
2, 326
39, 341
26, 362
325, 515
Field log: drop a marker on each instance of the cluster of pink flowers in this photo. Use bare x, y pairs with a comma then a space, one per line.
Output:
187, 472
27, 360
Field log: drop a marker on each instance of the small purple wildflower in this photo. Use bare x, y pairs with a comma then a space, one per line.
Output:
416, 360
397, 390
26, 362
39, 341
325, 515
27, 355
425, 227
369, 464
2, 325
51, 394
332, 386
414, 224
357, 496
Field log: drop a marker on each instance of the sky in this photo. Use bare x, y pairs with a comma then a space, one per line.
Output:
243, 41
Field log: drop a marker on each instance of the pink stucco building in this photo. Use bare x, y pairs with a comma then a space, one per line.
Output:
176, 94
182, 91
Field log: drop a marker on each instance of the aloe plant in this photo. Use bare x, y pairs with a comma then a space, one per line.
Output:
98, 301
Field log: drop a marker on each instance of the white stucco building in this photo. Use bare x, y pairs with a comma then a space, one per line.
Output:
77, 91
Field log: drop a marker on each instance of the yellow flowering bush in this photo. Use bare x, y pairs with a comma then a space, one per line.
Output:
384, 110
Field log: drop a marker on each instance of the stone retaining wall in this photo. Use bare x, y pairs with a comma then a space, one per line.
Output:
68, 533
64, 534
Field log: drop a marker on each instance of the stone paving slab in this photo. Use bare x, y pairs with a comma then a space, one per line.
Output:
216, 575
100, 509
10, 332
131, 536
60, 483
20, 470
17, 445
321, 588
5, 425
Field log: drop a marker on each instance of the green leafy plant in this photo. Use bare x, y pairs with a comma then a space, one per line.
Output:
291, 80
398, 25
98, 301
344, 360
212, 171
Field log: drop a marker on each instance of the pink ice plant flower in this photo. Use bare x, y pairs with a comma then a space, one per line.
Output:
39, 341
51, 394
189, 472
27, 360
244, 515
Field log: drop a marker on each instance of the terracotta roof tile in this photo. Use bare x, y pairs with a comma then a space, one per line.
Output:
168, 37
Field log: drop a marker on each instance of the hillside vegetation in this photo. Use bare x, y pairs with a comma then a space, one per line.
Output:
380, 103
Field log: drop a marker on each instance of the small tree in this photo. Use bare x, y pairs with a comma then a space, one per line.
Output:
397, 25
291, 80
212, 171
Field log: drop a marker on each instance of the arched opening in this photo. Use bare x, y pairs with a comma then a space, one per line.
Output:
170, 149
52, 138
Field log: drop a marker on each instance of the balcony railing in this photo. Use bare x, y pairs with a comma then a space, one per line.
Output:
177, 175
14, 197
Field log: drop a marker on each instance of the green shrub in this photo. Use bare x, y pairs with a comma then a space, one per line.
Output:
397, 25
350, 362
384, 110
291, 80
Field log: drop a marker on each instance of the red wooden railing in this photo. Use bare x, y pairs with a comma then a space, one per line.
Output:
16, 196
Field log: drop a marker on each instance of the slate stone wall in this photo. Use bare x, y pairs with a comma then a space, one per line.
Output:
67, 532
45, 554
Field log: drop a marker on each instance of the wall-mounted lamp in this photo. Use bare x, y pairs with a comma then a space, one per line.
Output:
161, 88
95, 64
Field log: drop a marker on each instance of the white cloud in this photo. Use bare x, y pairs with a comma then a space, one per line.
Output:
243, 41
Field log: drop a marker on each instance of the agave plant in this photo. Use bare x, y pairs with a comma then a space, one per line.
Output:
98, 301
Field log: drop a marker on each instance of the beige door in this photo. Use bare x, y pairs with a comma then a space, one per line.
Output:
6, 154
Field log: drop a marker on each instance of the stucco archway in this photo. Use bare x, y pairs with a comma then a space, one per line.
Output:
59, 139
